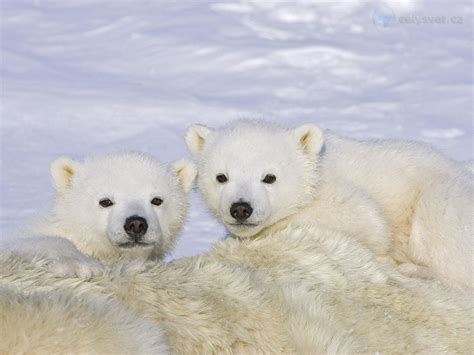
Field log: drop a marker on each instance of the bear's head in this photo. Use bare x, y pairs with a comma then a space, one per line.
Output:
253, 174
121, 205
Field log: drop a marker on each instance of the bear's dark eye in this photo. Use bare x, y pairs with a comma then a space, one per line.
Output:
106, 202
269, 179
221, 178
156, 201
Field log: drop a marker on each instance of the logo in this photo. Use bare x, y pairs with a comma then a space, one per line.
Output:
383, 17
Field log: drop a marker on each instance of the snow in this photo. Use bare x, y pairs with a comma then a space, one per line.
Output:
82, 77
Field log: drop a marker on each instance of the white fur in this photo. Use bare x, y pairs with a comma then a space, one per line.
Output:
304, 290
60, 322
401, 199
64, 259
130, 181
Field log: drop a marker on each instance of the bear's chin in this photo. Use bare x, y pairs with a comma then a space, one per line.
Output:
244, 230
132, 245
132, 251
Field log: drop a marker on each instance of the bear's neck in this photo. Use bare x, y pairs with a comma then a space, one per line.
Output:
299, 218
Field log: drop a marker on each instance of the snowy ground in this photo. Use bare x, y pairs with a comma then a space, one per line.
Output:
81, 77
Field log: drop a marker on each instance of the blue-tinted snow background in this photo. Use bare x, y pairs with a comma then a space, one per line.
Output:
81, 77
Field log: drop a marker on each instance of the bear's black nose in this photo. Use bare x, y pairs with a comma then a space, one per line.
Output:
135, 227
241, 211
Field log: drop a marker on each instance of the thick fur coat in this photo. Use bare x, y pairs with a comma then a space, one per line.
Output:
60, 322
299, 290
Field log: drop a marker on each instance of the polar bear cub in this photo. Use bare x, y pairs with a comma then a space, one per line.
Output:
119, 205
401, 199
257, 177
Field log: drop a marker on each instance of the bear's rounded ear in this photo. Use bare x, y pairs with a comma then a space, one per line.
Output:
186, 172
196, 136
309, 137
62, 172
